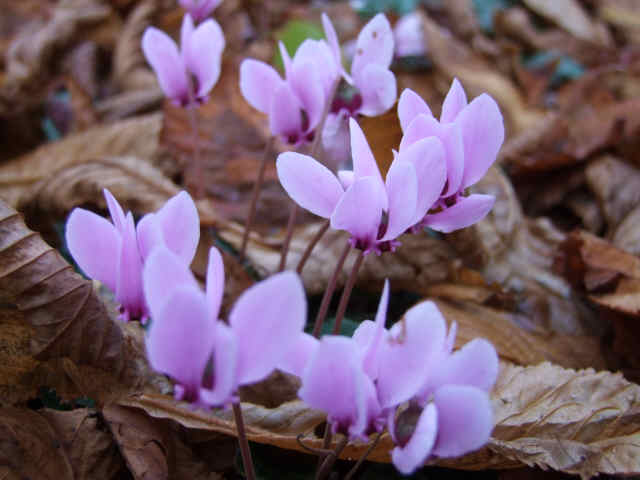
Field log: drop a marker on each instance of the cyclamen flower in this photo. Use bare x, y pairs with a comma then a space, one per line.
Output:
186, 76
207, 358
409, 36
370, 74
472, 135
114, 253
294, 104
199, 9
373, 211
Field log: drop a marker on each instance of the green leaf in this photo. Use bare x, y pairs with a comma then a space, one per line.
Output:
371, 7
292, 35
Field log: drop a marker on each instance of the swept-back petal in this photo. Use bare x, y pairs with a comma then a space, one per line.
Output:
364, 163
374, 45
286, 59
428, 158
359, 211
215, 282
482, 130
407, 359
129, 281
203, 54
475, 365
377, 336
378, 88
285, 117
310, 92
424, 126
162, 54
181, 337
318, 52
465, 420
149, 235
410, 106
309, 183
94, 244
402, 192
258, 84
180, 225
454, 102
274, 309
200, 9
225, 354
115, 210
346, 178
466, 211
408, 458
298, 354
163, 272
334, 45
186, 30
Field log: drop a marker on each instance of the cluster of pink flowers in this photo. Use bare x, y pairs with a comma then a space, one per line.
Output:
433, 401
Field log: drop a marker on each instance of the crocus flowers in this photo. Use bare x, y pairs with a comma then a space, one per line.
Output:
186, 76
114, 253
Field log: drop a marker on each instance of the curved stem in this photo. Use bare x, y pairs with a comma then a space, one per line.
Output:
346, 293
328, 293
196, 160
314, 241
328, 462
364, 456
244, 443
257, 186
287, 239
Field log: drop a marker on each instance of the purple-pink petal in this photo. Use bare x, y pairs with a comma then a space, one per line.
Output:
409, 457
378, 89
371, 337
298, 354
200, 9
215, 282
410, 106
162, 54
285, 117
258, 84
115, 210
94, 243
309, 91
309, 183
402, 193
203, 54
225, 354
482, 130
465, 420
180, 225
465, 212
475, 365
129, 280
149, 235
454, 102
274, 309
374, 45
364, 163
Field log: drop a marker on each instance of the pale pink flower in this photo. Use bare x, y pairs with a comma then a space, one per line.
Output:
200, 9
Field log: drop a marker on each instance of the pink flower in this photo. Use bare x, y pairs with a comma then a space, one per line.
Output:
294, 104
373, 211
472, 135
207, 358
199, 9
186, 76
370, 74
409, 36
113, 253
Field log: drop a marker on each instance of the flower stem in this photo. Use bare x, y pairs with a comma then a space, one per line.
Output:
198, 166
364, 456
314, 241
330, 459
293, 210
346, 293
257, 186
328, 293
244, 443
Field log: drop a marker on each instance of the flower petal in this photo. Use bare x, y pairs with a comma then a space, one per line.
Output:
371, 357
346, 178
286, 59
200, 9
162, 54
225, 354
115, 210
465, 420
402, 191
424, 126
410, 457
334, 45
181, 337
410, 106
409, 36
378, 88
94, 244
215, 282
285, 117
203, 55
186, 30
475, 365
298, 354
407, 360
428, 158
325, 68
304, 83
364, 163
454, 102
374, 45
309, 183
180, 225
149, 235
258, 84
163, 272
359, 211
482, 130
129, 281
466, 211
273, 309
